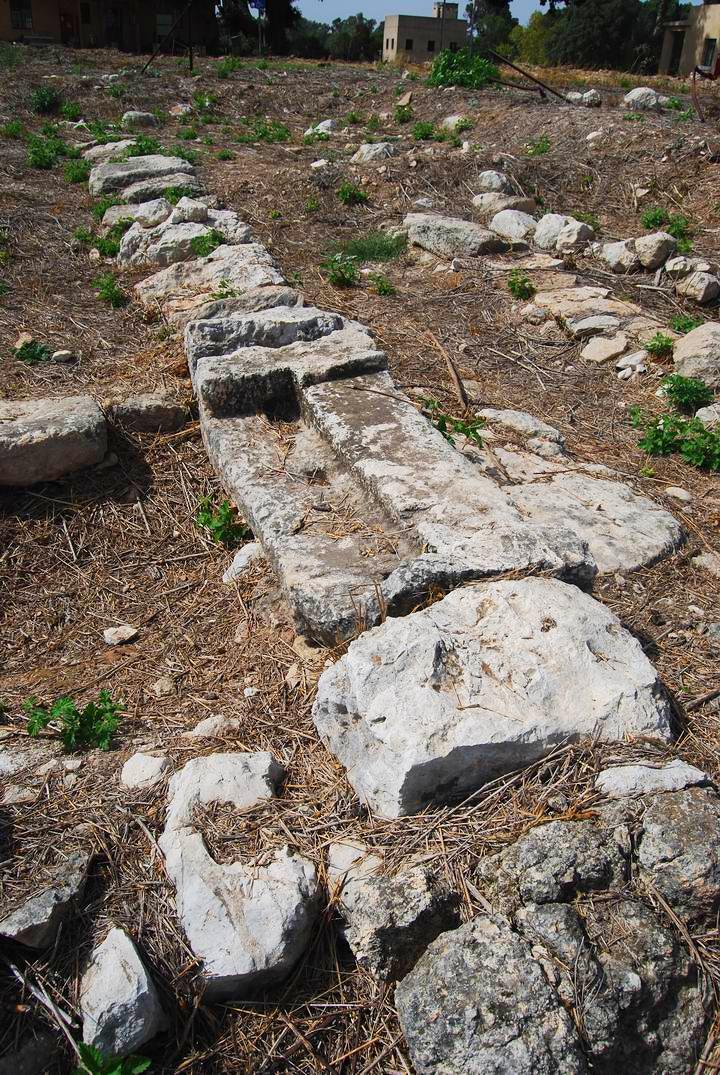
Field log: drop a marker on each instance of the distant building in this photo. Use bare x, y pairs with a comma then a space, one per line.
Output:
418, 38
691, 42
131, 25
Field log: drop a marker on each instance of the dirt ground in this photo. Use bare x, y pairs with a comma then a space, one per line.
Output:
120, 545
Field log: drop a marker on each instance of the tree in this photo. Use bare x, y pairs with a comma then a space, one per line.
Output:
490, 23
354, 38
530, 43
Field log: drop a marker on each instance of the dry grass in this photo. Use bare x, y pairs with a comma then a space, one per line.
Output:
121, 546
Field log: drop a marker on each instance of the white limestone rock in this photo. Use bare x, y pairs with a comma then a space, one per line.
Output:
582, 328
683, 266
189, 211
144, 770
575, 235
701, 287
111, 151
654, 250
647, 778
326, 126
643, 99
139, 119
620, 257
155, 186
373, 151
240, 268
247, 923
151, 412
173, 240
148, 214
430, 707
512, 225
249, 554
44, 439
118, 1001
450, 237
709, 416
36, 922
697, 354
548, 229
495, 182
602, 349
490, 204
113, 178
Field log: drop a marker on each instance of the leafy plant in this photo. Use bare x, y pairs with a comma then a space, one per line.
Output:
314, 136
402, 114
663, 435
588, 218
674, 224
93, 1062
225, 155
42, 153
685, 323
462, 68
109, 291
189, 155
660, 345
373, 124
634, 117
144, 146
71, 111
188, 134
77, 171
269, 131
353, 118
519, 285
79, 729
12, 129
45, 101
539, 147
312, 205
349, 194
227, 65
104, 133
701, 446
32, 352
103, 204
382, 285
687, 394
222, 523
423, 131
225, 290
341, 270
174, 194
450, 427
117, 90
674, 104
202, 245
375, 246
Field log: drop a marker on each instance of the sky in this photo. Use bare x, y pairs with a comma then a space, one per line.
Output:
327, 10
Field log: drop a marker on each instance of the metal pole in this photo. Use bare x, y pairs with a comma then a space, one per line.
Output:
190, 39
504, 59
168, 35
442, 24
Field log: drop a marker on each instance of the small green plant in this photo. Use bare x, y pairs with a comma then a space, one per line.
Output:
674, 224
102, 205
519, 285
93, 1062
663, 435
382, 285
174, 194
687, 115
275, 214
687, 394
227, 65
184, 153
203, 245
450, 426
402, 114
4, 287
104, 133
539, 147
674, 104
32, 352
117, 91
225, 155
71, 111
462, 68
45, 101
349, 194
41, 153
14, 129
588, 218
353, 118
634, 117
10, 55
463, 124
188, 134
77, 171
660, 346
144, 147
225, 290
314, 136
685, 323
423, 132
669, 433
375, 246
79, 729
373, 124
341, 270
701, 446
109, 291
312, 205
221, 523
269, 131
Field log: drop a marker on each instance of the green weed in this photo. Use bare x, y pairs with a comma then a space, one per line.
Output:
634, 117
349, 194
117, 90
402, 114
188, 134
101, 207
79, 729
423, 131
14, 129
685, 323
225, 291
189, 155
660, 346
269, 131
145, 146
45, 101
10, 55
221, 523
93, 1062
382, 285
687, 394
375, 246
462, 68
71, 111
227, 65
174, 194
203, 245
109, 291
32, 352
539, 147
353, 118
373, 124
450, 427
312, 205
225, 155
315, 136
77, 171
519, 285
341, 270
674, 224
588, 218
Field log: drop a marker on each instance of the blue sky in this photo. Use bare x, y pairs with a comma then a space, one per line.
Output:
327, 10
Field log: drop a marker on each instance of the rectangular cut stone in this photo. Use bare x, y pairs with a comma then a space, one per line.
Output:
234, 268
429, 708
45, 439
114, 177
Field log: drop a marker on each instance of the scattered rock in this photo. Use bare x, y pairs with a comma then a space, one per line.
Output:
709, 561
548, 229
16, 795
149, 214
604, 348
698, 354
585, 327
245, 557
143, 770
104, 154
620, 257
575, 235
326, 126
118, 1001
710, 416
372, 151
117, 636
64, 356
489, 205
702, 287
648, 778
677, 493
654, 250
512, 225
154, 412
139, 119
643, 99
113, 178
636, 362
163, 687
36, 922
494, 182
449, 237
45, 439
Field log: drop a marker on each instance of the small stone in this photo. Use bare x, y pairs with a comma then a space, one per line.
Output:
697, 354
64, 356
16, 795
620, 257
646, 778
117, 636
677, 493
584, 327
217, 726
636, 361
326, 126
604, 348
143, 770
643, 99
513, 225
36, 922
250, 692
708, 561
574, 236
709, 416
163, 687
139, 119
654, 250
152, 412
702, 287
372, 151
249, 554
118, 1001
318, 164
494, 182
490, 204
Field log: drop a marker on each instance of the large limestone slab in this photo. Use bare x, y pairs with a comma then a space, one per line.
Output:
203, 307
45, 439
584, 302
36, 922
247, 923
118, 1000
113, 178
155, 186
228, 268
429, 708
111, 151
149, 214
450, 237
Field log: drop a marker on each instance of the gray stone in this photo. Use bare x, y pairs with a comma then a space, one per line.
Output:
654, 250
574, 236
683, 266
698, 354
118, 636
144, 770
675, 492
155, 186
494, 182
525, 425
450, 237
45, 439
643, 99
645, 778
190, 211
187, 307
139, 119
548, 229
583, 328
604, 348
512, 225
489, 204
249, 554
36, 922
172, 242
389, 921
431, 707
114, 178
620, 257
112, 151
373, 151
702, 287
710, 416
479, 1002
247, 923
237, 267
149, 214
118, 1001
325, 126
152, 412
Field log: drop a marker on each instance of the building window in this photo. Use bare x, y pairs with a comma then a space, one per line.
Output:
709, 51
387, 43
85, 14
163, 24
431, 46
21, 14
392, 42
408, 44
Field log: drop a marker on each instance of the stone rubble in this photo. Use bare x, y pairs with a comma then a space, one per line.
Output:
36, 923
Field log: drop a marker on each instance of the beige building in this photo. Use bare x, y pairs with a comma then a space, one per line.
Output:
691, 42
418, 38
